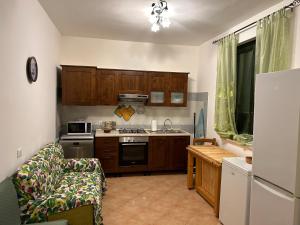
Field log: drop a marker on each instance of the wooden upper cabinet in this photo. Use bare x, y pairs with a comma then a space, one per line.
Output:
158, 88
78, 85
83, 85
178, 84
131, 82
106, 87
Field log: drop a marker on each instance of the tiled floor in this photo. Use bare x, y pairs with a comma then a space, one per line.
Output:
154, 200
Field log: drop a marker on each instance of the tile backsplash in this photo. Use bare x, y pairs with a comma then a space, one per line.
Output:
182, 117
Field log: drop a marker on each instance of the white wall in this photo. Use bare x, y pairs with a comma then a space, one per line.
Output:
131, 55
208, 65
28, 111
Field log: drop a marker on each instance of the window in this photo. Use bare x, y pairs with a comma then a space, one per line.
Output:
245, 88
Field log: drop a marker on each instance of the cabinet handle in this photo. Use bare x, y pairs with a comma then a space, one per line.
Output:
107, 151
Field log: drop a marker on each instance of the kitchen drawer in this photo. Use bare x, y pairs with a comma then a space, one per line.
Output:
106, 147
107, 152
107, 142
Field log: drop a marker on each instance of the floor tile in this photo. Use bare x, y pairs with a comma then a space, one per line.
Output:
154, 200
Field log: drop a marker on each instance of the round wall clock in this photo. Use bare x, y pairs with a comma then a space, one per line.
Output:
32, 69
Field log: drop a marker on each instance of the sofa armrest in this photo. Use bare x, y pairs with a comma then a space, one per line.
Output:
58, 222
82, 165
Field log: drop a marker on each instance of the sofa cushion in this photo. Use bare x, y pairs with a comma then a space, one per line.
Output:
9, 208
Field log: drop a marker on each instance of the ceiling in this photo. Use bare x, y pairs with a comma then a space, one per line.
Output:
193, 21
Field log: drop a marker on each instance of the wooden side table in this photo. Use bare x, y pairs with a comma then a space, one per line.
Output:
208, 172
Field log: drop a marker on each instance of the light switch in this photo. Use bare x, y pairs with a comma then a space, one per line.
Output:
19, 152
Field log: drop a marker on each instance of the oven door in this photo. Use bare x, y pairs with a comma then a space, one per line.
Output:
133, 154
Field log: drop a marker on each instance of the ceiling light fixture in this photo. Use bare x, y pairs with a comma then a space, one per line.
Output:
159, 15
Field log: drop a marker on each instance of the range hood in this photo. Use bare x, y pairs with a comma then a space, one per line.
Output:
133, 98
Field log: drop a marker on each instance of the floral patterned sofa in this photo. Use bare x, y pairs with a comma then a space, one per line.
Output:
48, 185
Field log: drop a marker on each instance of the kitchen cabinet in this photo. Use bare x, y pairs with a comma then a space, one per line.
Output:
158, 88
168, 152
178, 83
83, 85
165, 153
106, 87
131, 82
78, 85
107, 151
178, 152
159, 153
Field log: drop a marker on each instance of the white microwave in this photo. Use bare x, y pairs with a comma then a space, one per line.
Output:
79, 127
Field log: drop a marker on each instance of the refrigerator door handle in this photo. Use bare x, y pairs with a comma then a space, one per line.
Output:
274, 189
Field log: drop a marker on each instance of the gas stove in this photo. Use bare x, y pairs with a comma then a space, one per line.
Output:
132, 131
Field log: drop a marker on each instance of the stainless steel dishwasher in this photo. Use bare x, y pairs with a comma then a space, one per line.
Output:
77, 146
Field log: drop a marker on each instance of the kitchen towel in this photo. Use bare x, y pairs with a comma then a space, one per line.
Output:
199, 131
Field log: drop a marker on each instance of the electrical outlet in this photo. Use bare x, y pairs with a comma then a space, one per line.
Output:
19, 152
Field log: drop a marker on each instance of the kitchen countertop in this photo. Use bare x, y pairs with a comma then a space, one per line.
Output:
115, 133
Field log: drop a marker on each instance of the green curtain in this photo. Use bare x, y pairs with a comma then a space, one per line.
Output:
274, 42
226, 87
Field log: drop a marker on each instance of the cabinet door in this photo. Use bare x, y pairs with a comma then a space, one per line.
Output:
178, 152
107, 151
132, 82
106, 87
159, 153
178, 84
78, 85
158, 88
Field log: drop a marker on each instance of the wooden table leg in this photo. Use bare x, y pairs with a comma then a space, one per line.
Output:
198, 173
190, 168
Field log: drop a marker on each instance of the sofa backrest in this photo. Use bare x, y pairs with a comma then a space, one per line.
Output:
39, 175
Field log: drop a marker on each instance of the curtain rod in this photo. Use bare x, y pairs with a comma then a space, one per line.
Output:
291, 6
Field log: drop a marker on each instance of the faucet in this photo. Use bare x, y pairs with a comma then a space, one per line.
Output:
170, 125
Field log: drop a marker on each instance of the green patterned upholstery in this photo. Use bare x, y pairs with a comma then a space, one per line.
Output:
9, 209
48, 184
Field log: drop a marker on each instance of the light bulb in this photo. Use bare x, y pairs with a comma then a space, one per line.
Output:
165, 22
155, 27
152, 19
165, 14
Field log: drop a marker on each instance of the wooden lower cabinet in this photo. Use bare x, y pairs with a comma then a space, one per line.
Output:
178, 152
168, 153
159, 153
107, 151
165, 153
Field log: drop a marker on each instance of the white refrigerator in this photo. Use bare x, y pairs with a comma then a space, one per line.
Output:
275, 194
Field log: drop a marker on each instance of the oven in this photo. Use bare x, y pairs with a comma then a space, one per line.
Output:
133, 150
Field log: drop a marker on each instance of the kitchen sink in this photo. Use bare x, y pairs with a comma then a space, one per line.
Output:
168, 132
173, 131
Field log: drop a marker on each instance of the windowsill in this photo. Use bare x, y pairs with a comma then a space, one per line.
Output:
235, 143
